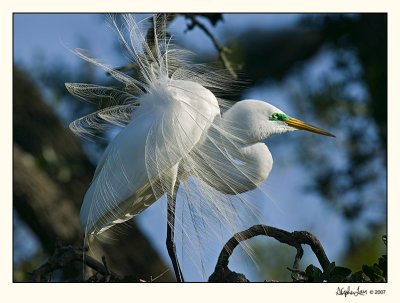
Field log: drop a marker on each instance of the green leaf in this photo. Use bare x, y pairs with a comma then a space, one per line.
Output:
338, 274
374, 273
314, 274
382, 263
359, 276
330, 268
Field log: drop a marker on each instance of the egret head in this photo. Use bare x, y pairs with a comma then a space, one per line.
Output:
255, 120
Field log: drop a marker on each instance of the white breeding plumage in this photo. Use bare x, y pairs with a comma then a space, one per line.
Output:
173, 132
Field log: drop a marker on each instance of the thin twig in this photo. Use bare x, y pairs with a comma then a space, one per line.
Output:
222, 51
156, 278
159, 276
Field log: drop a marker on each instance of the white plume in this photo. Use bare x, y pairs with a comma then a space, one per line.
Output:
172, 131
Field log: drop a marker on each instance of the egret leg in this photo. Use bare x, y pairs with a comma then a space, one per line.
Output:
170, 233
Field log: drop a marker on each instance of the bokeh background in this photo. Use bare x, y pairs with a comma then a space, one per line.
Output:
326, 69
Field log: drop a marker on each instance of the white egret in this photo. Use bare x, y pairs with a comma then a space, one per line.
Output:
173, 131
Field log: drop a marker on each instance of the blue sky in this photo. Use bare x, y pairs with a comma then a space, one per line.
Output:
51, 36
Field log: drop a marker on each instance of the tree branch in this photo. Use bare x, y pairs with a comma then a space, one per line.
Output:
222, 51
295, 239
64, 256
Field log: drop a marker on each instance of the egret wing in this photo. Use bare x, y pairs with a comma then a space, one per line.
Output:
141, 163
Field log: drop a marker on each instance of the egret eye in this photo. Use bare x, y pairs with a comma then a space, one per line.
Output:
279, 117
275, 117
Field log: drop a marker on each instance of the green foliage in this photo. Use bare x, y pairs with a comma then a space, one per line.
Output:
374, 273
332, 274
314, 274
336, 274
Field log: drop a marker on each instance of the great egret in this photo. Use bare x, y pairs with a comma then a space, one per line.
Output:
173, 131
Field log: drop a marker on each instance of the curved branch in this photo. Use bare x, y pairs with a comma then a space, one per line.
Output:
295, 239
305, 237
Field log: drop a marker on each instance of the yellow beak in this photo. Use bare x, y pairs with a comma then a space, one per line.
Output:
304, 126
